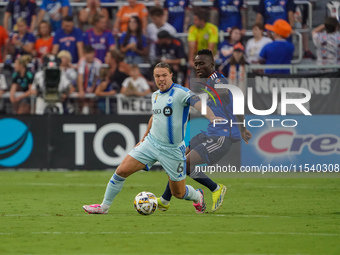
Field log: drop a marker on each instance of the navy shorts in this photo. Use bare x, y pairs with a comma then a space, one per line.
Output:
211, 148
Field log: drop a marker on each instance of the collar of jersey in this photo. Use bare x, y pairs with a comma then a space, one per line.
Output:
212, 74
168, 88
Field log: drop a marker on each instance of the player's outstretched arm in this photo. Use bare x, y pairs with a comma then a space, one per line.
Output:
245, 133
147, 131
210, 114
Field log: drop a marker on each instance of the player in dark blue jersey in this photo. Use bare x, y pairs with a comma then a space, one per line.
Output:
210, 146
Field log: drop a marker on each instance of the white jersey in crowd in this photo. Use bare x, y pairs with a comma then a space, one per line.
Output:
253, 49
3, 83
170, 114
327, 48
140, 84
151, 33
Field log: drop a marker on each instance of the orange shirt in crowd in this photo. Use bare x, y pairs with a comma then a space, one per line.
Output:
43, 46
126, 12
3, 39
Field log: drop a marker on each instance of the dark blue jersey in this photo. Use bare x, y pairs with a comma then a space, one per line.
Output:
225, 110
230, 15
176, 9
272, 10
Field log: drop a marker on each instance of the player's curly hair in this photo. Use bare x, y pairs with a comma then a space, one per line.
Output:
163, 65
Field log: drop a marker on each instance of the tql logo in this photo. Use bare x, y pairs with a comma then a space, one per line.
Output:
16, 142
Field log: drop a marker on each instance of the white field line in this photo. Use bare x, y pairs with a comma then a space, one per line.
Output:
171, 233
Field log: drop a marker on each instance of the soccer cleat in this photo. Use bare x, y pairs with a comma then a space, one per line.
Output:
200, 206
217, 197
161, 206
94, 209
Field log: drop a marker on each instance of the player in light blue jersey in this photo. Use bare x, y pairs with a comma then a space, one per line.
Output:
209, 147
163, 142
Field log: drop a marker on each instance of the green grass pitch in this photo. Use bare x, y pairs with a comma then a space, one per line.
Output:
41, 213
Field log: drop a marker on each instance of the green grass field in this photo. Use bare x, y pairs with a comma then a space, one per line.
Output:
41, 213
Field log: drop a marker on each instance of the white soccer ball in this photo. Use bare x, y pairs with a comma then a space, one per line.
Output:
145, 203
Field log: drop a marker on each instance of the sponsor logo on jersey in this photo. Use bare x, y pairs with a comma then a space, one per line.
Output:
167, 111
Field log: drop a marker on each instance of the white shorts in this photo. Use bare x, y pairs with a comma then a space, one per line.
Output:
171, 157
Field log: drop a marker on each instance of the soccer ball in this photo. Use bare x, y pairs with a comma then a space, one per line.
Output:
145, 203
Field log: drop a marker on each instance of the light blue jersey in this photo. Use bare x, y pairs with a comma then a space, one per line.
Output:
165, 142
170, 114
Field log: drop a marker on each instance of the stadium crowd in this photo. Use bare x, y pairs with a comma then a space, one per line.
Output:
102, 52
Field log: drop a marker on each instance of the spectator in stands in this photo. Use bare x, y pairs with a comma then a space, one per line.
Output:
301, 18
104, 88
69, 38
269, 11
3, 43
99, 38
20, 9
124, 14
235, 69
326, 38
230, 14
22, 81
226, 47
133, 43
56, 11
117, 75
135, 85
21, 42
88, 72
158, 24
3, 88
280, 51
87, 14
255, 44
171, 51
201, 35
176, 13
43, 45
109, 9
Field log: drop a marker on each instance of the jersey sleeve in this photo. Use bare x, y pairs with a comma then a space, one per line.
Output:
30, 77
144, 85
125, 83
110, 39
56, 38
290, 6
81, 66
31, 38
120, 12
79, 35
193, 99
86, 38
192, 34
143, 11
121, 39
260, 8
10, 7
65, 3
43, 5
216, 4
213, 38
263, 52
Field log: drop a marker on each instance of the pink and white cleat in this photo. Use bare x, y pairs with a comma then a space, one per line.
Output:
95, 209
200, 206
